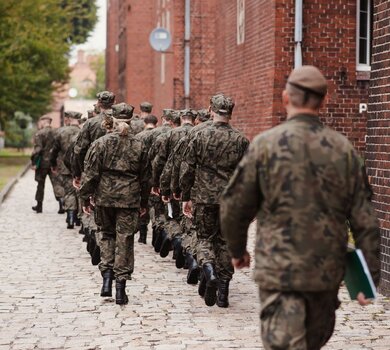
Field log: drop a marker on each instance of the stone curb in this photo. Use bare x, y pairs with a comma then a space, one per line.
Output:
8, 187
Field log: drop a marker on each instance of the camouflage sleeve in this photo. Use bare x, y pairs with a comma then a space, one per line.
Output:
144, 178
38, 148
364, 224
83, 142
165, 178
175, 171
92, 172
160, 159
240, 201
55, 150
187, 170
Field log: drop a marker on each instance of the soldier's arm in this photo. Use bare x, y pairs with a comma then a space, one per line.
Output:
144, 178
187, 170
160, 159
92, 172
176, 161
240, 202
55, 151
80, 150
364, 224
38, 148
165, 178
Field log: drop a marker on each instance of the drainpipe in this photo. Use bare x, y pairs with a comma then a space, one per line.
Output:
298, 33
187, 36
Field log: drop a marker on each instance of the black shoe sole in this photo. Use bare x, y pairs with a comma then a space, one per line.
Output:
165, 248
70, 227
222, 304
106, 294
122, 301
202, 288
180, 259
158, 242
210, 295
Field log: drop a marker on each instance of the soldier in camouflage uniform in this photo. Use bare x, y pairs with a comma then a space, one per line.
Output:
209, 161
146, 137
138, 122
161, 177
302, 180
64, 138
116, 177
40, 158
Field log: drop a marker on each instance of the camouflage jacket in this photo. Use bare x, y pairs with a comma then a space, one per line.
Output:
178, 156
137, 124
303, 180
210, 160
91, 131
153, 151
116, 172
166, 144
147, 137
43, 143
64, 138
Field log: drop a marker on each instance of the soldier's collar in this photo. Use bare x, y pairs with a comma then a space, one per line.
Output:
310, 118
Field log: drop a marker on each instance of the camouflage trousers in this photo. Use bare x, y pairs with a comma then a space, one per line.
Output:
157, 214
211, 246
116, 239
40, 177
70, 193
172, 224
297, 320
189, 239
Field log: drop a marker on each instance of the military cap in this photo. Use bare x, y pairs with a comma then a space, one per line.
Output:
106, 98
176, 117
96, 108
221, 104
46, 117
146, 107
310, 79
73, 115
203, 115
169, 114
189, 112
122, 110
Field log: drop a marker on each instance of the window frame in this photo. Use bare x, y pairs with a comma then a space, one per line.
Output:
365, 67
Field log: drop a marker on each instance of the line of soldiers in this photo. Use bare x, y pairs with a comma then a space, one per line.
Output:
126, 171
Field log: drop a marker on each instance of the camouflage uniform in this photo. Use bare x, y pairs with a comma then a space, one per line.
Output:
116, 176
43, 142
137, 124
62, 141
210, 160
302, 180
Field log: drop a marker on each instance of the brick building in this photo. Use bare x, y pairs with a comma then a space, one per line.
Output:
246, 49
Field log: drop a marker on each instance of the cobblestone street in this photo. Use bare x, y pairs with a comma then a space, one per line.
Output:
50, 296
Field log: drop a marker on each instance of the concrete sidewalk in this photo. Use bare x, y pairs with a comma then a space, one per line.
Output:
49, 296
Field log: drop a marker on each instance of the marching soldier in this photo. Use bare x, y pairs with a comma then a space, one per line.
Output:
138, 122
210, 160
302, 180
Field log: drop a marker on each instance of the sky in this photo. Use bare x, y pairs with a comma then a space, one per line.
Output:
97, 39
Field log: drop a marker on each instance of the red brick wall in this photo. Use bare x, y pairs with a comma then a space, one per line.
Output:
378, 131
112, 42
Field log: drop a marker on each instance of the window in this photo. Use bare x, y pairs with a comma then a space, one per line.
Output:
363, 39
240, 21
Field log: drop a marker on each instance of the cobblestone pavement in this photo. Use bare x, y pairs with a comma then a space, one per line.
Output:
49, 296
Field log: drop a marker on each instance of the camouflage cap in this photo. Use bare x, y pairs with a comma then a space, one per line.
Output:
176, 117
96, 108
122, 110
203, 115
168, 114
146, 107
106, 98
189, 113
222, 105
310, 79
46, 117
72, 114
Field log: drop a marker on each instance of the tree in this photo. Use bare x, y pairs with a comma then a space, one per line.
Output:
98, 65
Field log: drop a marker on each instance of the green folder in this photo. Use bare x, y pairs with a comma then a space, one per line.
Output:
358, 277
38, 162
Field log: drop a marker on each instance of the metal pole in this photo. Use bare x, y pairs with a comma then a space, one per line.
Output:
298, 33
187, 54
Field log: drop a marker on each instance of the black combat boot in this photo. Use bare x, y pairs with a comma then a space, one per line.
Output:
202, 284
143, 231
178, 249
166, 246
210, 295
38, 207
77, 220
160, 237
223, 293
108, 277
193, 269
91, 242
70, 218
121, 297
81, 231
95, 256
154, 235
61, 209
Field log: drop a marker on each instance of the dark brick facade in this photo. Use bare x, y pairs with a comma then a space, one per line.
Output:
378, 130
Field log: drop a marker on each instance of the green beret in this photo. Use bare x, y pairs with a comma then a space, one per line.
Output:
122, 110
222, 105
73, 115
146, 107
106, 98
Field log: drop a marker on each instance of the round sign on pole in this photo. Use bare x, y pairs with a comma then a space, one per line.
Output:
160, 39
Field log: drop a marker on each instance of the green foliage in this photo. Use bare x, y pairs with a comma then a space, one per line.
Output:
19, 131
35, 41
99, 67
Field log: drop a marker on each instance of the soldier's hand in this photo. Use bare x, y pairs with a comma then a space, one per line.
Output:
155, 191
177, 196
361, 298
87, 210
165, 199
53, 170
242, 262
142, 212
76, 183
187, 209
33, 167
